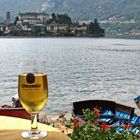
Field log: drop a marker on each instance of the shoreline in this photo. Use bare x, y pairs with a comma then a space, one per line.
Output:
50, 37
44, 37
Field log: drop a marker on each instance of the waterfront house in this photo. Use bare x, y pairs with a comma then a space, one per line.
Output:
14, 30
2, 27
56, 27
79, 29
26, 26
39, 30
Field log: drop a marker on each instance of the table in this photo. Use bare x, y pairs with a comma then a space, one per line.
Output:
11, 128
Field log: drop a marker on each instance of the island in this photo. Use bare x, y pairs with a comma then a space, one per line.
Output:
33, 24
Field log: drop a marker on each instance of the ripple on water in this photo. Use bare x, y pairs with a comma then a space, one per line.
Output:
78, 69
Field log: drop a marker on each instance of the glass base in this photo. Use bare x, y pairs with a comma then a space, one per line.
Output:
29, 135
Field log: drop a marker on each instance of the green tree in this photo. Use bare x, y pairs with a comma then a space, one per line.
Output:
95, 29
84, 24
16, 19
1, 32
91, 28
63, 19
96, 24
53, 17
60, 18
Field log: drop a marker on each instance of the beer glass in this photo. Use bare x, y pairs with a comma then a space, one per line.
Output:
33, 94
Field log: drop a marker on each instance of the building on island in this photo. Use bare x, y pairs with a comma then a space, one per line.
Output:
8, 18
55, 27
79, 29
2, 27
33, 18
26, 26
39, 30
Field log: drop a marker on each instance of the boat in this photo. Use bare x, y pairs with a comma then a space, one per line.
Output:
20, 112
112, 113
16, 110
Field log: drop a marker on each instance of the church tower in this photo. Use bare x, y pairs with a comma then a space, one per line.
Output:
8, 18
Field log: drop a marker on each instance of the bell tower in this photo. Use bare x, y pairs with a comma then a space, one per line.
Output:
8, 18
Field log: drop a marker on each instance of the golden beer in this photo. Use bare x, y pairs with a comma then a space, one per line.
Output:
33, 91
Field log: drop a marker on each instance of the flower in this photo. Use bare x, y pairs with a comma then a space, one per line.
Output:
76, 123
97, 111
105, 126
91, 129
127, 126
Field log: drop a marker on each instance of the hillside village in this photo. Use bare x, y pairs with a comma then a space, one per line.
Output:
42, 24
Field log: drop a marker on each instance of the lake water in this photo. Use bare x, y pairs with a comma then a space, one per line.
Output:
77, 68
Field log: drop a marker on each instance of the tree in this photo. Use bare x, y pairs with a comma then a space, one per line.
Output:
95, 29
96, 25
60, 18
16, 19
63, 19
84, 24
53, 17
91, 28
1, 32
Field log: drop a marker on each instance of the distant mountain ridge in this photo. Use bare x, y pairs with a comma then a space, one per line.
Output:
100, 9
77, 9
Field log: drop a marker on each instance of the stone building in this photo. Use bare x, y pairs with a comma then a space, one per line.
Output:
33, 18
55, 27
8, 18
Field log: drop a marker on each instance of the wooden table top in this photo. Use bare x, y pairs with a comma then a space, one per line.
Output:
11, 128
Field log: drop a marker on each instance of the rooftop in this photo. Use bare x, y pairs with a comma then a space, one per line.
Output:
32, 13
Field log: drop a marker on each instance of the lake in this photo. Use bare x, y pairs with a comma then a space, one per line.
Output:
77, 68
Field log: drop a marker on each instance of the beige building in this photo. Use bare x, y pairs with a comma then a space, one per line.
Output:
79, 29
33, 18
54, 27
2, 27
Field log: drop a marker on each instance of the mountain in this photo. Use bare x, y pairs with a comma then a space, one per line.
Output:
77, 9
91, 9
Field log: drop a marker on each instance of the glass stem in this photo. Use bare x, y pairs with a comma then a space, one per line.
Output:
34, 126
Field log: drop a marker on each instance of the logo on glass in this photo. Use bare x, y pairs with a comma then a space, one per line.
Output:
30, 78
